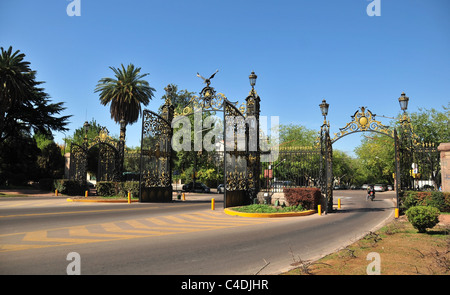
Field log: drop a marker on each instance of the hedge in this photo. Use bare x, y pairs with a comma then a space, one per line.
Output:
111, 188
69, 187
307, 197
439, 200
104, 188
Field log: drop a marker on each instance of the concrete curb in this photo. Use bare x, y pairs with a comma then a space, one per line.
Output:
230, 211
101, 201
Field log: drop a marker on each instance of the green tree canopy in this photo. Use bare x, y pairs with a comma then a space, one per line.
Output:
296, 135
431, 125
24, 106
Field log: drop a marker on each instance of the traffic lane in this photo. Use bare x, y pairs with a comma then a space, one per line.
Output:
23, 220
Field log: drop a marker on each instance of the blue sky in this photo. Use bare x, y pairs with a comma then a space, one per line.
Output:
302, 51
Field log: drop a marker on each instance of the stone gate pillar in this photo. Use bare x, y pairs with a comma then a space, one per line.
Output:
444, 149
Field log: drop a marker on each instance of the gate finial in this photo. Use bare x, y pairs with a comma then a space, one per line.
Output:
207, 81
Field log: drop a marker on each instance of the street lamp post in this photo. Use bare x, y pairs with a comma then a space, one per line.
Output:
327, 153
253, 149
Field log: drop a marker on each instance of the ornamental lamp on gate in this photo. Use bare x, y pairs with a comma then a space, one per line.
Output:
252, 79
403, 100
324, 108
86, 126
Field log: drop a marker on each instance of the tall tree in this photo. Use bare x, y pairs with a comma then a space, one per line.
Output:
24, 106
125, 93
296, 135
431, 125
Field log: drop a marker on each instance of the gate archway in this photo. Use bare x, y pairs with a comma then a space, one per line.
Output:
110, 158
363, 120
409, 152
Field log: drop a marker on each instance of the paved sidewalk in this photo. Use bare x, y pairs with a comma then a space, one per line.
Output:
28, 191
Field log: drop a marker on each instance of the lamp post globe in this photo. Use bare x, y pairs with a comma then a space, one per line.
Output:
403, 100
324, 108
252, 79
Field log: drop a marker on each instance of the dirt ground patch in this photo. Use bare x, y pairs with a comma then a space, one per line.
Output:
402, 251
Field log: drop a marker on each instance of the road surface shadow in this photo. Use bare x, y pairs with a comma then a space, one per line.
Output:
365, 209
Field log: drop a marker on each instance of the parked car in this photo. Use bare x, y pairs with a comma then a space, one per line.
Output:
221, 189
365, 186
379, 187
198, 187
389, 187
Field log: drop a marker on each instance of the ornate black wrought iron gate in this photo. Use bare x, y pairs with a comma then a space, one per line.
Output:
78, 163
110, 157
235, 161
241, 151
419, 162
155, 183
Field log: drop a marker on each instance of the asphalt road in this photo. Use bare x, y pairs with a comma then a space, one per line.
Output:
37, 234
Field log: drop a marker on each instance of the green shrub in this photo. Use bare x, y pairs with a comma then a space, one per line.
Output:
423, 217
69, 187
407, 200
439, 200
108, 188
307, 197
130, 186
113, 188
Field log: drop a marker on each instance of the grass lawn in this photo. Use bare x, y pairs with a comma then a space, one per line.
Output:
261, 208
402, 250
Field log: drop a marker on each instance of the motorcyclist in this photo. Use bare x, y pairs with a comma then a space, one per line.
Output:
370, 189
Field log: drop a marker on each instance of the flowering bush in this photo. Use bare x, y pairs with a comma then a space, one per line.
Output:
307, 197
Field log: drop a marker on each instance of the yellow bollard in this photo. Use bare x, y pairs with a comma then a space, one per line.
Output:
129, 197
319, 209
56, 192
396, 213
213, 205
86, 194
339, 203
184, 197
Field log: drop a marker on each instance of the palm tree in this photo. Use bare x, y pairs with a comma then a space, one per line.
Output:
126, 93
16, 76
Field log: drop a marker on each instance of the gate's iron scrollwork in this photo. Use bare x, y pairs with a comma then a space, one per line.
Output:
78, 163
235, 164
363, 121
